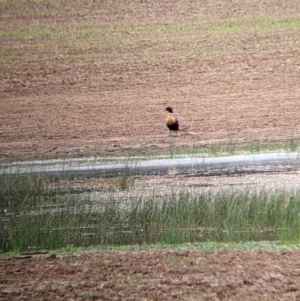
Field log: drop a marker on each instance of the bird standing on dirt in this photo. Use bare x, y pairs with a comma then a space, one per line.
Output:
171, 122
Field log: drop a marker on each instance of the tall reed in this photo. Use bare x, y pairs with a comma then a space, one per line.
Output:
34, 216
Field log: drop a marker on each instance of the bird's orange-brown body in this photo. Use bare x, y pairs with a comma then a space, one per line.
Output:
171, 122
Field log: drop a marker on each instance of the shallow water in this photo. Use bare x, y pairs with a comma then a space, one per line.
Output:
191, 165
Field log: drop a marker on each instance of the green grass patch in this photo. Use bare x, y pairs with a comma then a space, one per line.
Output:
231, 146
36, 215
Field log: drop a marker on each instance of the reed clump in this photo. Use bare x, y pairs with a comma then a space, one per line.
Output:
36, 215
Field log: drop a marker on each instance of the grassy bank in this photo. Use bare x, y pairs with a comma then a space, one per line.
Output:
39, 213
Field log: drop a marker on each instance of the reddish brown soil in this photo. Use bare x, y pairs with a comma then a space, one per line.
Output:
60, 99
240, 85
153, 275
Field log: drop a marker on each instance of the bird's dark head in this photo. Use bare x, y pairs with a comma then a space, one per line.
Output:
169, 109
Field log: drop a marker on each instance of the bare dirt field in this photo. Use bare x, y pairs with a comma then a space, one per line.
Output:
92, 78
153, 275
95, 79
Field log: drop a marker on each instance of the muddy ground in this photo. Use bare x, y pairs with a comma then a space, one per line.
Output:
92, 78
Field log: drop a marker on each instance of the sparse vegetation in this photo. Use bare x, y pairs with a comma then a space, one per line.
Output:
127, 177
231, 147
292, 144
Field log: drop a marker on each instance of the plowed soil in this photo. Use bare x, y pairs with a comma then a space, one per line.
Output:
153, 275
92, 78
95, 79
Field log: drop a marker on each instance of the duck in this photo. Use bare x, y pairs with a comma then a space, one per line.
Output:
171, 122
